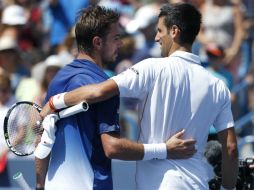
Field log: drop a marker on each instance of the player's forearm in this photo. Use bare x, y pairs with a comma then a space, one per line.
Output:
92, 93
229, 164
41, 168
229, 169
89, 93
122, 149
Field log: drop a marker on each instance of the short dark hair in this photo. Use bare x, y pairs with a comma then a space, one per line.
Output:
184, 16
93, 21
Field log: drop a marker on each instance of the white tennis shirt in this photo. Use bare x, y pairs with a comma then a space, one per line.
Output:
175, 93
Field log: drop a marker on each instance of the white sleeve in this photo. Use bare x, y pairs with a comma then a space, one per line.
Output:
136, 81
224, 119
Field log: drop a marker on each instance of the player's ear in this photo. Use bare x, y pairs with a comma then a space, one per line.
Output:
97, 42
175, 31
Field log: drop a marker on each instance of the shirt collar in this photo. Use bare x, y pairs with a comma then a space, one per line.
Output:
187, 56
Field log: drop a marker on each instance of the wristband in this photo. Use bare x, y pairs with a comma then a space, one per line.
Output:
222, 188
51, 105
155, 151
58, 101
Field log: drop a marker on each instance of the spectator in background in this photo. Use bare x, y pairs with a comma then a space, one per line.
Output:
63, 14
227, 31
248, 81
10, 60
32, 39
13, 21
42, 74
126, 51
67, 51
196, 3
6, 100
248, 42
51, 66
143, 27
215, 55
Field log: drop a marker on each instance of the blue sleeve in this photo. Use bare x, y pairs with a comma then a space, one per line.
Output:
105, 113
108, 115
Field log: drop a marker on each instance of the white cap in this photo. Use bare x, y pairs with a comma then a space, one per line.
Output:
144, 16
7, 42
53, 61
42, 150
14, 15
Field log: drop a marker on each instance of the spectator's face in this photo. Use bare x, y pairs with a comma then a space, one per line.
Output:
5, 91
164, 38
111, 45
9, 60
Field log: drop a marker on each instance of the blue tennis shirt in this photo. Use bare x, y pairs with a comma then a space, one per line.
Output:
77, 158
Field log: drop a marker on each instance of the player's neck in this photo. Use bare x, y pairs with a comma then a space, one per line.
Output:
180, 48
93, 59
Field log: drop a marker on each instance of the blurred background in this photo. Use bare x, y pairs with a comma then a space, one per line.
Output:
37, 39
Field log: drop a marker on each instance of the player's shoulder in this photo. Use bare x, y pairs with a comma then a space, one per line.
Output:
221, 88
151, 63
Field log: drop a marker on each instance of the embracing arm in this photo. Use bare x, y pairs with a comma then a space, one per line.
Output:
229, 164
124, 149
90, 93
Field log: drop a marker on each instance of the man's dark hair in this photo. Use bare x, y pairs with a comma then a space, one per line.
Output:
93, 21
186, 17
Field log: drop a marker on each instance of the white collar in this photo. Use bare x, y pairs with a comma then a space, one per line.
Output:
187, 55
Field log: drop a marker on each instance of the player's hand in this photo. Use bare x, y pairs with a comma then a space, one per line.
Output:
178, 148
46, 110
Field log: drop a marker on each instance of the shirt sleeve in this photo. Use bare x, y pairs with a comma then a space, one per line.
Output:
104, 113
108, 115
136, 81
224, 119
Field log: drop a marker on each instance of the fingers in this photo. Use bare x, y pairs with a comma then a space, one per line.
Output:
189, 142
45, 111
182, 149
179, 134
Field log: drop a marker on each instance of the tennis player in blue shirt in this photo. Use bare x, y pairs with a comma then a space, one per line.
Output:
85, 143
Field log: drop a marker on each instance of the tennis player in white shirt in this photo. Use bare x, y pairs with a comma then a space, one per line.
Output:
174, 92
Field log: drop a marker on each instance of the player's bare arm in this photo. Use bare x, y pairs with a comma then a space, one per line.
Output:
124, 149
229, 164
90, 93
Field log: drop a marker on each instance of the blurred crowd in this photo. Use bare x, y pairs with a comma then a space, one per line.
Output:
37, 39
